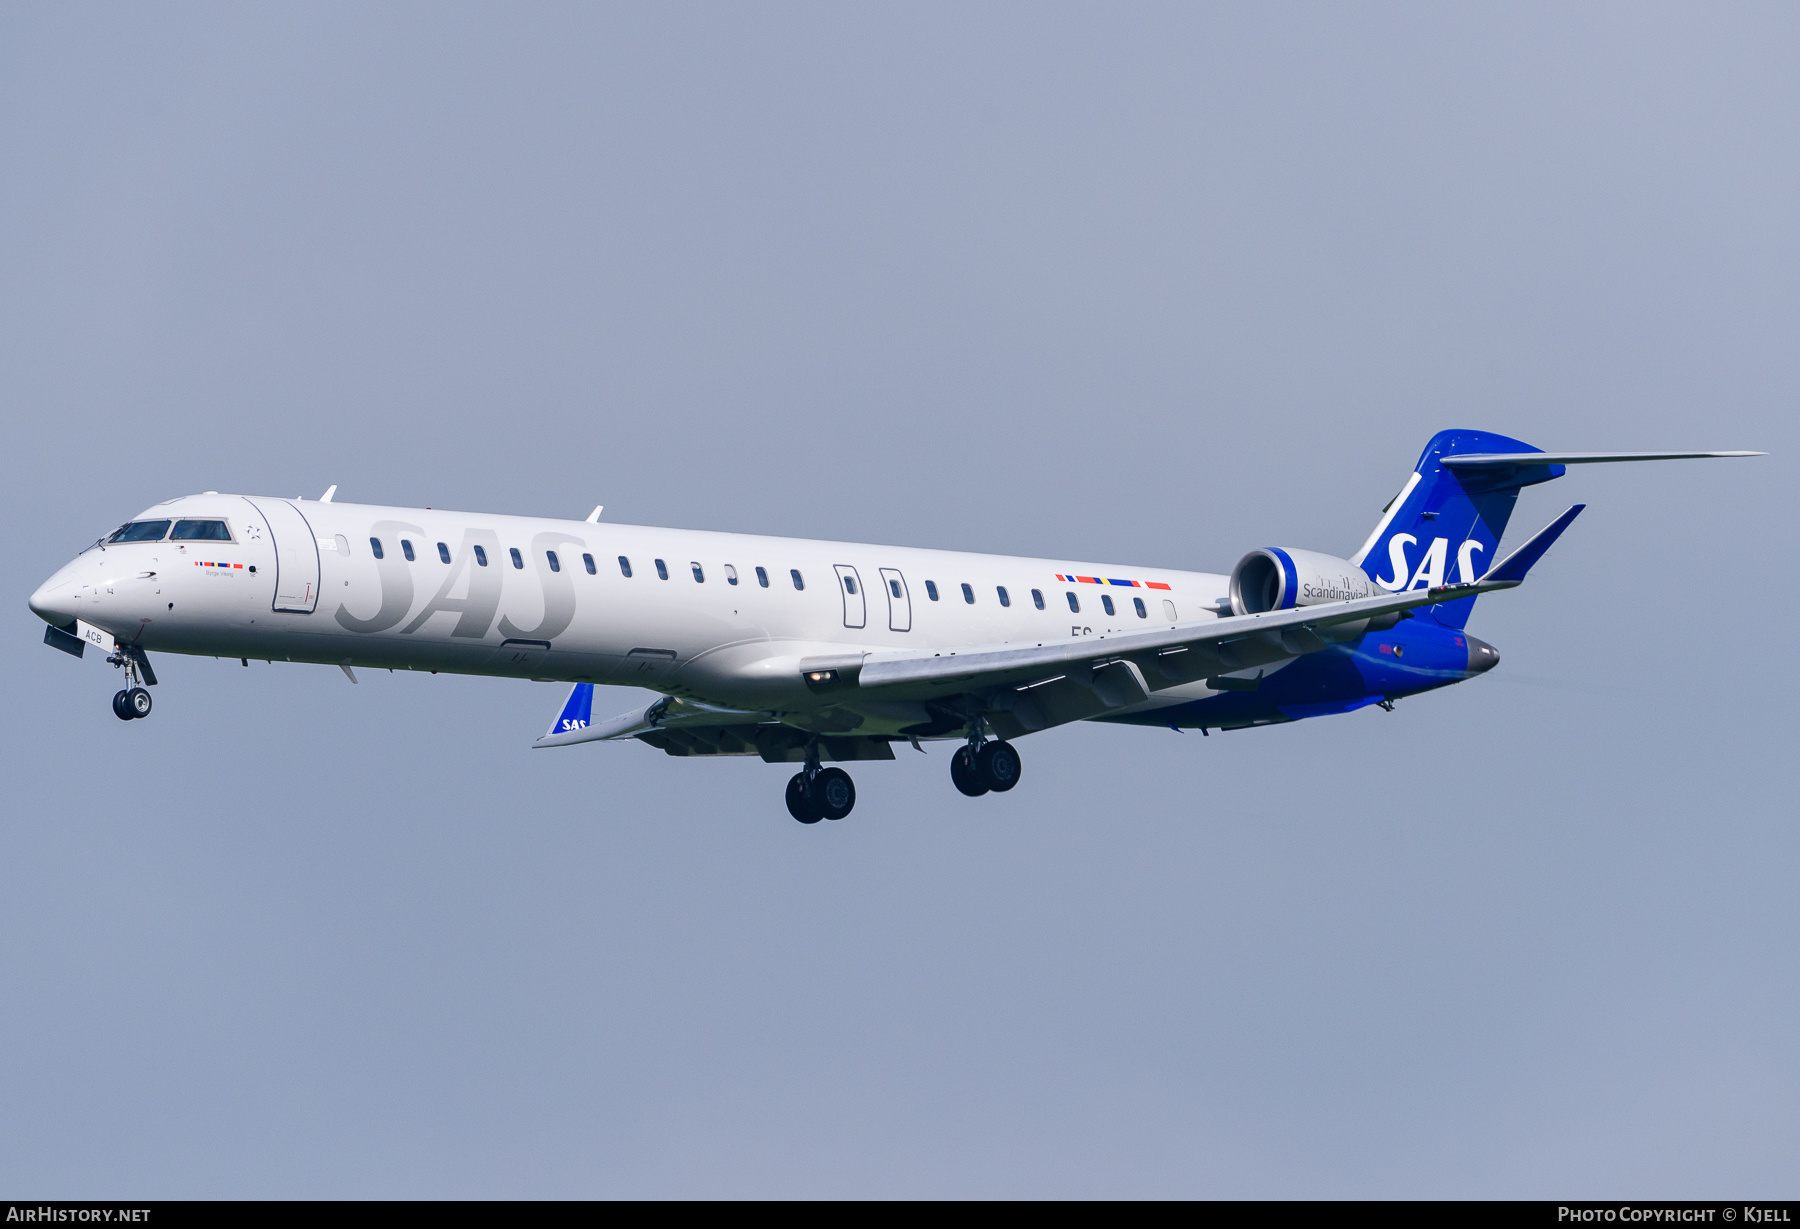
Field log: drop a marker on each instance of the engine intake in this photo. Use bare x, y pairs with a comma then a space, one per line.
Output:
1275, 578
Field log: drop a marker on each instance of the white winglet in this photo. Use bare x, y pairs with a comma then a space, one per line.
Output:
593, 518
329, 492
662, 711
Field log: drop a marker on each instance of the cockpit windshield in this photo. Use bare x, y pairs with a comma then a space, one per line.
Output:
200, 531
140, 531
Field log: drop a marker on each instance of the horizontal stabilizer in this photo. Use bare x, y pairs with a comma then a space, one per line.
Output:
1504, 460
1511, 570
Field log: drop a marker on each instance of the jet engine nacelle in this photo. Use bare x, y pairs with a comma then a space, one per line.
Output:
1276, 578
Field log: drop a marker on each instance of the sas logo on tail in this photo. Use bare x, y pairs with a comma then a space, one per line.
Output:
1430, 572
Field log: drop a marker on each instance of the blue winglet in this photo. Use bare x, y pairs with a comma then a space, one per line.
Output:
1511, 570
577, 711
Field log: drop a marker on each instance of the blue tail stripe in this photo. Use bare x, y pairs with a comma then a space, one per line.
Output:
1448, 530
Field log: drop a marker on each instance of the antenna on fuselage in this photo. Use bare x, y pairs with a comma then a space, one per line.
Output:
593, 518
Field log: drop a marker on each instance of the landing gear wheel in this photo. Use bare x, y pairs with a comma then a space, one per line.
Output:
138, 701
800, 804
965, 775
119, 710
833, 793
999, 765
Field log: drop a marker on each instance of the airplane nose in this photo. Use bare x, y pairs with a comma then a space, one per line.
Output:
1482, 655
54, 601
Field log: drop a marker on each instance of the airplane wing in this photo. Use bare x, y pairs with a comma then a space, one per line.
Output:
1031, 687
1019, 688
1229, 639
664, 712
684, 727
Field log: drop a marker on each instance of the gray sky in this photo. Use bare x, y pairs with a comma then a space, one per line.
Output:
1149, 284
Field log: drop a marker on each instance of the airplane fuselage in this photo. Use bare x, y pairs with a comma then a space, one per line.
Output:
727, 619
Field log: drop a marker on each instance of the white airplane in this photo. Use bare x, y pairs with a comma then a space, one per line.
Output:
805, 652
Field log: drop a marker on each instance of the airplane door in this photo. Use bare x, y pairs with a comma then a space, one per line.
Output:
850, 585
296, 556
899, 600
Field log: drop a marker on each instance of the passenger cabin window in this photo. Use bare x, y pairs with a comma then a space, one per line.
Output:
798, 582
699, 576
588, 561
1001, 590
200, 531
1168, 610
518, 562
555, 566
1074, 604
894, 587
968, 594
1037, 598
1139, 603
1106, 603
849, 584
375, 545
931, 589
480, 556
662, 570
625, 567
406, 549
443, 552
140, 531
762, 578
730, 575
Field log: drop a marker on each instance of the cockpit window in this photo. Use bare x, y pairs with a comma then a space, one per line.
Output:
200, 531
141, 531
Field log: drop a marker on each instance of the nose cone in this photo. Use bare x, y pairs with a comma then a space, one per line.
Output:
54, 601
1482, 655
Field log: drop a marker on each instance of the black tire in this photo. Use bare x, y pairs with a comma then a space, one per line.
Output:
833, 793
799, 803
965, 775
999, 765
138, 701
119, 709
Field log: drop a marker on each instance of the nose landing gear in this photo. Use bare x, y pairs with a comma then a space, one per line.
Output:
816, 793
130, 703
134, 701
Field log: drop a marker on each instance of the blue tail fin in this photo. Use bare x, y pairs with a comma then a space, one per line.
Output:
1444, 527
577, 710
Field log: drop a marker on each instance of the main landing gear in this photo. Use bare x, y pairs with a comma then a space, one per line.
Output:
816, 793
985, 765
134, 700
